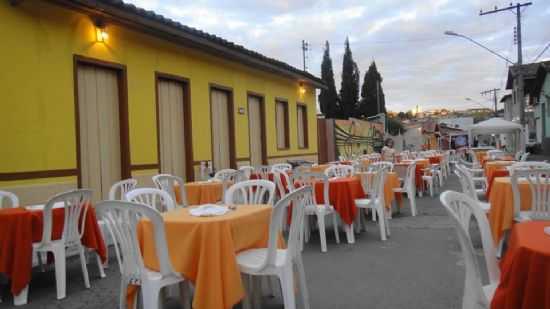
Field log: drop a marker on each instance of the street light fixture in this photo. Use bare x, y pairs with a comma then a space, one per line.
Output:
452, 33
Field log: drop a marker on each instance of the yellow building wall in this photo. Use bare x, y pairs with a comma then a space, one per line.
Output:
39, 41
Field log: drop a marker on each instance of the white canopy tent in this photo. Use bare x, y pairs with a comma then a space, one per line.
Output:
499, 126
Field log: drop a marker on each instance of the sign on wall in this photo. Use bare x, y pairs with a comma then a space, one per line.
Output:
354, 136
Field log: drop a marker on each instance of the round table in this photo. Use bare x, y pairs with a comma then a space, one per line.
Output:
501, 199
201, 192
525, 269
203, 250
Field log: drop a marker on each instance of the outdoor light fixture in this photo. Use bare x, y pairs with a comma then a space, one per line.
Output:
101, 34
302, 89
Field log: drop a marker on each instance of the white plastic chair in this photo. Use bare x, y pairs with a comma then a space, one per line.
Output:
468, 187
263, 171
373, 186
474, 174
409, 187
247, 171
167, 182
339, 170
272, 261
154, 198
460, 208
528, 165
227, 174
119, 189
75, 204
281, 178
285, 167
524, 156
538, 180
257, 191
495, 154
320, 211
14, 200
376, 166
123, 218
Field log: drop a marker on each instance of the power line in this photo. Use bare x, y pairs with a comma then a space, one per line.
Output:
542, 52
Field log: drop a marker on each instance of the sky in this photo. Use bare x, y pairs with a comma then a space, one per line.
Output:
419, 64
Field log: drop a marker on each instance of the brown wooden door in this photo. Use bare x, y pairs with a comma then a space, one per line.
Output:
256, 131
221, 129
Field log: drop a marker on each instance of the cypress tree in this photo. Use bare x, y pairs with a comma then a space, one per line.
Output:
372, 93
328, 98
349, 90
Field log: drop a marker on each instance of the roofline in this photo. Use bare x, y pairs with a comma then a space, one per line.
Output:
176, 32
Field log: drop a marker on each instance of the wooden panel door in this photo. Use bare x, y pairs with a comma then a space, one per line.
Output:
172, 127
220, 129
98, 104
256, 131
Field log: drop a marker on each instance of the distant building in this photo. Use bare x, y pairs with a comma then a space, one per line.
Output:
456, 122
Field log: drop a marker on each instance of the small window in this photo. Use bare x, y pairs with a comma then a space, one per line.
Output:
281, 117
301, 114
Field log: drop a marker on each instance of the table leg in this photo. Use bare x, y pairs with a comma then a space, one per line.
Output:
21, 299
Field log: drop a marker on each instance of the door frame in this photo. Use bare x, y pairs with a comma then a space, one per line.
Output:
120, 69
261, 97
231, 120
187, 126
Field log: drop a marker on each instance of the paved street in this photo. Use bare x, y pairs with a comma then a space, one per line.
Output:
418, 267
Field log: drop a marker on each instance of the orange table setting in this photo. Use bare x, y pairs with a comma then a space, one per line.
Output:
20, 228
501, 199
201, 192
525, 268
204, 249
495, 169
485, 159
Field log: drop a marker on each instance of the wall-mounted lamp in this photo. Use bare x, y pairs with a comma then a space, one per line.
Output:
302, 88
101, 34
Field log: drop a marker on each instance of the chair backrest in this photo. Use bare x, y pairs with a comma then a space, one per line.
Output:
339, 170
528, 165
14, 200
283, 183
257, 191
538, 180
157, 199
375, 166
495, 154
263, 171
119, 189
227, 174
466, 181
409, 182
312, 179
298, 199
122, 218
460, 208
247, 171
285, 167
473, 157
373, 184
167, 183
75, 204
524, 156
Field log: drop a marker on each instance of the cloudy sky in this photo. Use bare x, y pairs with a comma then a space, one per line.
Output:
419, 64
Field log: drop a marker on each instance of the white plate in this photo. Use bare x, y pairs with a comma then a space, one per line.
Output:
208, 210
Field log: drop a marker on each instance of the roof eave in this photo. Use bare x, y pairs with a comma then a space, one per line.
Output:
143, 24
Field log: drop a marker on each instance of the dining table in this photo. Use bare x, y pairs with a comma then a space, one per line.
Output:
501, 198
494, 169
201, 192
20, 227
204, 249
525, 268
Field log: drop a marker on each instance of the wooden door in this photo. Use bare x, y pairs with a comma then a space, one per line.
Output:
256, 131
221, 129
172, 135
100, 151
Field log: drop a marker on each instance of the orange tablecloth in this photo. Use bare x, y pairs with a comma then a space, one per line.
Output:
435, 159
201, 192
19, 228
319, 168
501, 199
485, 159
480, 154
391, 182
203, 250
495, 169
342, 195
525, 269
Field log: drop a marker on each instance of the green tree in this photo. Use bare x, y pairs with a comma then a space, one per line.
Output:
372, 95
328, 98
349, 90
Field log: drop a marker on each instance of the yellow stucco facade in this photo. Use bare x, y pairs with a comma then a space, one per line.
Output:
39, 42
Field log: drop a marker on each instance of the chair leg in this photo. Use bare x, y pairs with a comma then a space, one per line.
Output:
373, 215
335, 226
60, 272
412, 201
322, 232
150, 295
185, 294
303, 283
123, 293
246, 304
85, 267
382, 223
100, 266
287, 282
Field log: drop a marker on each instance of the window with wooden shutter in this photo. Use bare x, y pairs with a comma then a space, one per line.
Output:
281, 115
301, 114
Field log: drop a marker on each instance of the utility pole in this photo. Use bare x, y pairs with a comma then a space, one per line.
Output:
518, 81
305, 48
377, 97
494, 92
